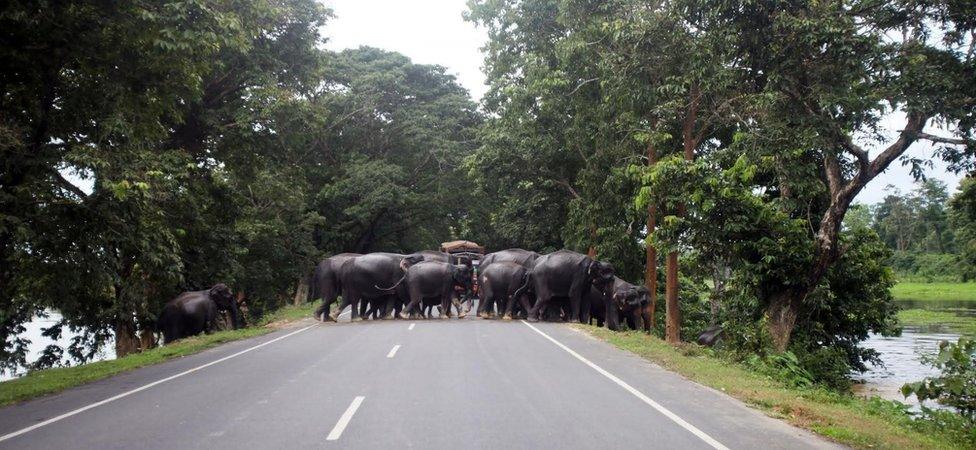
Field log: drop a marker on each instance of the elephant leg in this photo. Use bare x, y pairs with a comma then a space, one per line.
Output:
328, 297
613, 317
343, 303
445, 306
364, 308
540, 304
575, 301
415, 301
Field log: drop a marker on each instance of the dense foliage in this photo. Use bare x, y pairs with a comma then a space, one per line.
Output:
151, 148
736, 134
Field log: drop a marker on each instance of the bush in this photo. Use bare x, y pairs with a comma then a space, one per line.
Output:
956, 385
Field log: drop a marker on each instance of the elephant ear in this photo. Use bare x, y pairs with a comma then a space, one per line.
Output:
221, 294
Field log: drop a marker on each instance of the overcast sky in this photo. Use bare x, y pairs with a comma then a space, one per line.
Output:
434, 32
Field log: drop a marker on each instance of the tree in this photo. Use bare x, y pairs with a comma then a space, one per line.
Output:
143, 101
962, 217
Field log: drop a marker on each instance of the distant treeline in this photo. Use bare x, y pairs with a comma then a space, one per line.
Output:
932, 235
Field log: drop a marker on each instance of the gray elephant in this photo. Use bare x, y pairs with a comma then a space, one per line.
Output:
498, 282
568, 274
627, 303
325, 282
359, 277
430, 282
524, 258
194, 312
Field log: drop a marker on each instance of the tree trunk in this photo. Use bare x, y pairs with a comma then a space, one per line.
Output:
650, 264
126, 341
781, 314
672, 328
147, 339
301, 294
690, 142
591, 252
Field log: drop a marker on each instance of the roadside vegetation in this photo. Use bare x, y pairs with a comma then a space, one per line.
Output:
53, 380
776, 390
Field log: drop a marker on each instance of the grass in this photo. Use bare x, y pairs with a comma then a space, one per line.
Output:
49, 381
931, 319
934, 291
850, 420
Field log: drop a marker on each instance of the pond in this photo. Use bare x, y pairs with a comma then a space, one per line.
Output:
902, 355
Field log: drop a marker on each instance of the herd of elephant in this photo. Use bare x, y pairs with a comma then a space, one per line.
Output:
562, 285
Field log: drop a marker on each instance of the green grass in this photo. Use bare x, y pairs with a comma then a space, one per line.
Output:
934, 291
936, 319
845, 418
44, 382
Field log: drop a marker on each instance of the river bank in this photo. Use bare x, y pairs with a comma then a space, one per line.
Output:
934, 292
929, 314
49, 381
848, 419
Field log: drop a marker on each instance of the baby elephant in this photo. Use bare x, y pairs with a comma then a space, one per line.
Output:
433, 281
194, 312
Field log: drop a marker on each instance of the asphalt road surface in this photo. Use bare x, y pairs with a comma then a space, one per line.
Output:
428, 384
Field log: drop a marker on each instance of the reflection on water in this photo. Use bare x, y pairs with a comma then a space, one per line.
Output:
902, 358
39, 342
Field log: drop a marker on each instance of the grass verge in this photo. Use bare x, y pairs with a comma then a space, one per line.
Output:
49, 381
934, 291
854, 421
935, 320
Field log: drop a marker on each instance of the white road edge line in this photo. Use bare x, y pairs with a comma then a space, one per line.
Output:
393, 351
143, 387
653, 404
411, 326
340, 426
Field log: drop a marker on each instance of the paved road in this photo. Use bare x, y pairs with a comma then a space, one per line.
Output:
449, 384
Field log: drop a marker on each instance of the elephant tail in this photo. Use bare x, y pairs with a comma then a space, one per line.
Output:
526, 278
391, 287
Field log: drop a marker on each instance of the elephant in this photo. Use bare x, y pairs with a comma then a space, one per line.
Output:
430, 281
194, 312
498, 282
359, 277
565, 273
325, 282
467, 296
525, 258
626, 303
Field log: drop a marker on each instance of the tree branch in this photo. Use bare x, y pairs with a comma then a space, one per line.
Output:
569, 188
65, 184
941, 140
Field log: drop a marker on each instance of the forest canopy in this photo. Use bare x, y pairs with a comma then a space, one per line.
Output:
221, 143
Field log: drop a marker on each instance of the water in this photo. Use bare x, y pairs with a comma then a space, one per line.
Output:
902, 355
39, 342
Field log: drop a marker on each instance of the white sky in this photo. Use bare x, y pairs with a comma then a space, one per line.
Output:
434, 32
